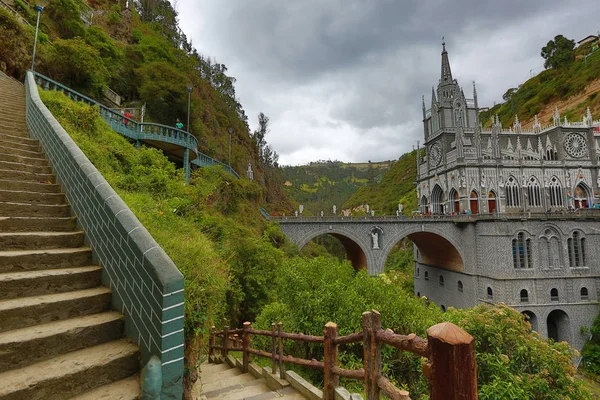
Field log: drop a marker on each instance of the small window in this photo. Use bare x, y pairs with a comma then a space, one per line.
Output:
490, 293
460, 286
584, 293
441, 281
524, 296
554, 294
443, 307
418, 294
418, 271
426, 275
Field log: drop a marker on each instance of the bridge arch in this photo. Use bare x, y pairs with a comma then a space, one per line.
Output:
435, 247
355, 248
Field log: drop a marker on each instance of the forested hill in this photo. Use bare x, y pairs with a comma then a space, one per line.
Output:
396, 186
137, 49
321, 184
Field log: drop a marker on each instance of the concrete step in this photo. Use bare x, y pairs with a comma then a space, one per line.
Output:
208, 368
18, 140
4, 142
38, 161
27, 177
35, 283
24, 152
35, 310
72, 373
13, 196
29, 224
26, 186
214, 375
34, 210
34, 260
209, 385
40, 240
22, 347
239, 391
125, 389
13, 166
14, 130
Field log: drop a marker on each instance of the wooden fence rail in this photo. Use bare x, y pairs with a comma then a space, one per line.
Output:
450, 352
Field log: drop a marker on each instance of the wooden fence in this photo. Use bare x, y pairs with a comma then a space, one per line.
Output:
450, 369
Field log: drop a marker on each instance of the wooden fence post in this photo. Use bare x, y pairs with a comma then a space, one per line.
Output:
371, 322
330, 380
246, 346
273, 349
224, 351
211, 343
281, 367
452, 370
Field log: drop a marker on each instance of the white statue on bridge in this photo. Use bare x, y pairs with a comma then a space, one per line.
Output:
334, 209
375, 238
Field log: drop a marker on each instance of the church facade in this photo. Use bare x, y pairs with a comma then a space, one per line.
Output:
546, 264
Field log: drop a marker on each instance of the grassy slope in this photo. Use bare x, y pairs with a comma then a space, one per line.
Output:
211, 229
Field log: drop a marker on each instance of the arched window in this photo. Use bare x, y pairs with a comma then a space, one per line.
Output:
584, 293
554, 294
524, 296
424, 208
551, 249
534, 199
441, 280
443, 307
460, 286
418, 271
437, 197
490, 293
426, 275
512, 193
521, 250
418, 294
491, 201
556, 193
474, 202
454, 201
582, 198
576, 246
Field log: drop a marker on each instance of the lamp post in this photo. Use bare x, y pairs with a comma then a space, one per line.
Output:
189, 103
39, 6
230, 133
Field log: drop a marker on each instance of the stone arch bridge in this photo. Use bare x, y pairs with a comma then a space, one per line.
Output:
442, 242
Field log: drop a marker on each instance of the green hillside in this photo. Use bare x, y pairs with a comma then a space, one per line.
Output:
319, 185
396, 186
571, 86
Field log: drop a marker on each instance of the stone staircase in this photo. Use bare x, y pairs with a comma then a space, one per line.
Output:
58, 337
227, 382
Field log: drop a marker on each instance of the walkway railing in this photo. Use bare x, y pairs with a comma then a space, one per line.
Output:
586, 213
451, 368
141, 131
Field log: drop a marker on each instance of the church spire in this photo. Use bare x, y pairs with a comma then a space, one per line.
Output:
446, 72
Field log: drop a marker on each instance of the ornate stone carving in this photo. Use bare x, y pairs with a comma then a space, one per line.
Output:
575, 145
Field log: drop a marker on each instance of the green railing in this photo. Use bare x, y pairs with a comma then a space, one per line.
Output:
141, 131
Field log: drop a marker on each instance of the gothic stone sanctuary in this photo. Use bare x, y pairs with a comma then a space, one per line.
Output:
507, 216
533, 251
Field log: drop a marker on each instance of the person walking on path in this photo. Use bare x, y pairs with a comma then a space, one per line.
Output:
179, 124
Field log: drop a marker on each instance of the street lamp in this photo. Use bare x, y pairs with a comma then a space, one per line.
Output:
39, 6
189, 103
230, 133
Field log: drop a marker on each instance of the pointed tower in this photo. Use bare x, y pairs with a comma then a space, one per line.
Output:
476, 103
556, 116
517, 125
446, 72
496, 129
425, 123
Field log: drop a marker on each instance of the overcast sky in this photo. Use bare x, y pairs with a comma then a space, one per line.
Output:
343, 79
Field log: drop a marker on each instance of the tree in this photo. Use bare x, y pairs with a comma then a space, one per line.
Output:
559, 52
509, 93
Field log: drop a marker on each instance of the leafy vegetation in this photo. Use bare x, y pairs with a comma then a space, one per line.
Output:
512, 361
558, 52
